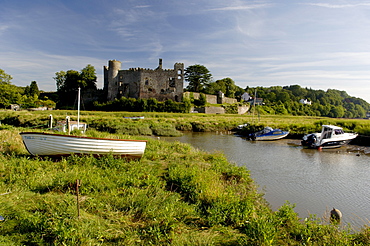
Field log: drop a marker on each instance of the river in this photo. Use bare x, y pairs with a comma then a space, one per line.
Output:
315, 181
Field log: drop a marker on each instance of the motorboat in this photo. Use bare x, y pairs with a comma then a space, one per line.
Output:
329, 137
47, 144
268, 133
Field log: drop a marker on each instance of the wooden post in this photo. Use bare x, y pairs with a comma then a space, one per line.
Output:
78, 184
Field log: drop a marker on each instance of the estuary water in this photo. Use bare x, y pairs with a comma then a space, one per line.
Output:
315, 181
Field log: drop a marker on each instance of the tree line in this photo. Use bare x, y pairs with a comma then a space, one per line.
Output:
281, 99
26, 97
276, 99
330, 103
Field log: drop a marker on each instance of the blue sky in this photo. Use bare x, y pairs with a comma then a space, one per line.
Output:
315, 44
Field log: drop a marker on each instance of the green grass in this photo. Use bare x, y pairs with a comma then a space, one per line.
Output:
170, 124
174, 195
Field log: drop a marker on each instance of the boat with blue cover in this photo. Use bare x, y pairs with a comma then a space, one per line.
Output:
268, 133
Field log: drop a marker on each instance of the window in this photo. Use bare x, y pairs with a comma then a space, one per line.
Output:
172, 82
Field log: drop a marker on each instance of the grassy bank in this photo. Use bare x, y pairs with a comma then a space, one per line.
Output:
170, 124
174, 195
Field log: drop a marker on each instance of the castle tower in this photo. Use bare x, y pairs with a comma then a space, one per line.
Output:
111, 78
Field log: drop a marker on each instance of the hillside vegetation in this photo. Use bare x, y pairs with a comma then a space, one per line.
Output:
284, 100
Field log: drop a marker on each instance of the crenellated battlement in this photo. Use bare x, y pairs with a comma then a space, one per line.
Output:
158, 83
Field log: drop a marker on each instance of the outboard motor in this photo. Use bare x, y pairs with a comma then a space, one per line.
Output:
309, 140
252, 136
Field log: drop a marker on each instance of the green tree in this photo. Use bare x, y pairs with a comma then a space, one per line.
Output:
4, 77
88, 76
69, 82
336, 112
60, 78
198, 76
72, 80
226, 85
32, 90
9, 93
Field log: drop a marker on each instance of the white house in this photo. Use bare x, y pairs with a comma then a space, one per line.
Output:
246, 97
305, 101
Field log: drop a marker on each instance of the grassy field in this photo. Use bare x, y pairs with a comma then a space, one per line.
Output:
174, 195
169, 124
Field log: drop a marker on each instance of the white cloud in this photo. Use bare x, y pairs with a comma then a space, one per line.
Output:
338, 6
241, 7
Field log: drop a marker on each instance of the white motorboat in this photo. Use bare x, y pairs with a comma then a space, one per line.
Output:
47, 144
329, 137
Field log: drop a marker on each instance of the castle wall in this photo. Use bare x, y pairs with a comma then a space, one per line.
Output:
160, 84
212, 99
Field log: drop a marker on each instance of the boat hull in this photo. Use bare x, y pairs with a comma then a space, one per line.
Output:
313, 141
271, 137
45, 144
266, 135
334, 144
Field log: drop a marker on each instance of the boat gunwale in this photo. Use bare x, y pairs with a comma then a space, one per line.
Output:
72, 136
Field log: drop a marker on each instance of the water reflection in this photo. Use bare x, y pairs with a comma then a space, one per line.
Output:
316, 181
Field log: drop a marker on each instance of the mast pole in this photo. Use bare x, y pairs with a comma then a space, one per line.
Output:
78, 108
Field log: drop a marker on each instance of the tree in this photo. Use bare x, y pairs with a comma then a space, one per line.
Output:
60, 78
69, 82
32, 90
336, 112
88, 76
198, 76
5, 78
226, 85
9, 93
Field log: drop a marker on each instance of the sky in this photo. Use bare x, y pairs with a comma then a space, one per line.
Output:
322, 44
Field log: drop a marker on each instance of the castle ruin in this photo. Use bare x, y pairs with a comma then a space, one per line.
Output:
143, 83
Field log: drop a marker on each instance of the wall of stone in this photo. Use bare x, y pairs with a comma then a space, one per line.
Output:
243, 109
210, 110
145, 83
212, 99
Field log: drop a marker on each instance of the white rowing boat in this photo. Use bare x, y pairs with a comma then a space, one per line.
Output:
47, 144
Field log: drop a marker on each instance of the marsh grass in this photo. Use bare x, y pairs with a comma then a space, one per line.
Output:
169, 124
174, 195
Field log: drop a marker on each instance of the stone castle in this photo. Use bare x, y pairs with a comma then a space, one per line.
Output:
144, 83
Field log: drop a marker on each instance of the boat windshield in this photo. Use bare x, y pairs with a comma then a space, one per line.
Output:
326, 133
338, 131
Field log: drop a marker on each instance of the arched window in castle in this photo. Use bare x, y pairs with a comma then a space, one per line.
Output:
146, 81
179, 71
179, 77
172, 82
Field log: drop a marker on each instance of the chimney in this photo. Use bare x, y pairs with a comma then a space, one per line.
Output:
160, 63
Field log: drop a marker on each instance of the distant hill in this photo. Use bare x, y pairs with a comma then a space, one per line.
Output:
296, 100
